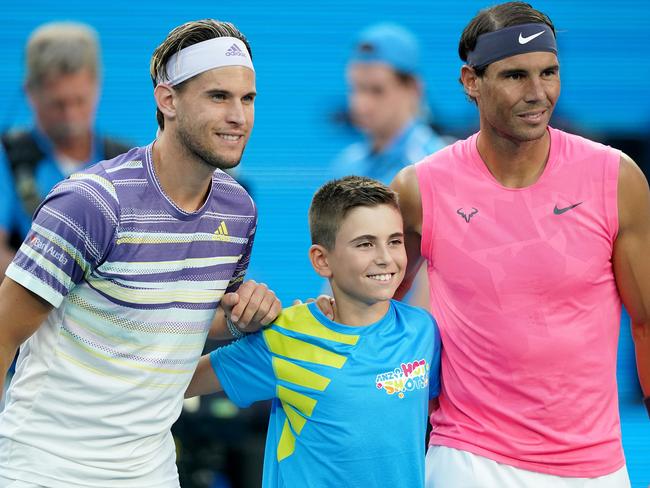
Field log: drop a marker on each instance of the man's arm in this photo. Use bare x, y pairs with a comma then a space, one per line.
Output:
250, 308
632, 262
410, 201
21, 313
6, 252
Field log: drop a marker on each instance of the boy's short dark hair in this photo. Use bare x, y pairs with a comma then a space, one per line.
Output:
336, 198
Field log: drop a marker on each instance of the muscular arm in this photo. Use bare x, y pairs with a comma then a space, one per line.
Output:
406, 186
6, 252
632, 262
21, 313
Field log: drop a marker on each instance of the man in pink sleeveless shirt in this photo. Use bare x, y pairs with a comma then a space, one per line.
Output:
533, 238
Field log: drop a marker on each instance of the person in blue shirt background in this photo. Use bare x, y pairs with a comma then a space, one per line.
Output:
350, 395
384, 102
62, 64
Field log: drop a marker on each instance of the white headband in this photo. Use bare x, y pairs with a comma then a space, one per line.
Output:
204, 56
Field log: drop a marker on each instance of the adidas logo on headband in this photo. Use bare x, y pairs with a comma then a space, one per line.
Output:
203, 56
235, 51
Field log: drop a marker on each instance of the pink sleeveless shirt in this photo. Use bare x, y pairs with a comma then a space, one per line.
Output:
523, 290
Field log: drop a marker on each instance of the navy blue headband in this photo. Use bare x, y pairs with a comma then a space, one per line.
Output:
510, 41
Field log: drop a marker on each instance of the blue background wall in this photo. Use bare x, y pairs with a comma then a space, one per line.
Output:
300, 52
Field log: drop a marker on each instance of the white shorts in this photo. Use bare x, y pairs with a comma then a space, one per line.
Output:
452, 468
7, 483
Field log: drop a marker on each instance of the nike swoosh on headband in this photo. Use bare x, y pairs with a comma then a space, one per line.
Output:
510, 41
526, 40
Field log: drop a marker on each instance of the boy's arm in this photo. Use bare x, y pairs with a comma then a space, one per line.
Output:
204, 381
242, 369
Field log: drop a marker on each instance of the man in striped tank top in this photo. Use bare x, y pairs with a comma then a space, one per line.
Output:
126, 268
533, 239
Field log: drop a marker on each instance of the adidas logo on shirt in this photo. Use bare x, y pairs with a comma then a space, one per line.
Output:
222, 229
234, 50
221, 234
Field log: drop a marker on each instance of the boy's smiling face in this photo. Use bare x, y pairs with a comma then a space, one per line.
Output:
368, 260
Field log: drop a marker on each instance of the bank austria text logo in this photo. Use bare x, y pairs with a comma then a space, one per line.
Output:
46, 248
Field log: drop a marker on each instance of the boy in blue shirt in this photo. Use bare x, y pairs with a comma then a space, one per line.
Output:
350, 395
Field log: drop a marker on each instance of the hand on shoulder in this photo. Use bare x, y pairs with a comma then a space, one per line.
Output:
252, 306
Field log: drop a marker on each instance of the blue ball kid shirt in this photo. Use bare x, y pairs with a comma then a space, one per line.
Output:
349, 403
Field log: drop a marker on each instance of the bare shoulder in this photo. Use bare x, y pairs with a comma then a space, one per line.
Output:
405, 184
633, 193
406, 179
630, 173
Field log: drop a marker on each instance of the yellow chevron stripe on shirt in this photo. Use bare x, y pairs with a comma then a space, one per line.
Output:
292, 373
296, 349
303, 403
287, 442
296, 420
299, 319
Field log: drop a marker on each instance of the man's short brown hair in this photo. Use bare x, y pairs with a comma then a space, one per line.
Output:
183, 36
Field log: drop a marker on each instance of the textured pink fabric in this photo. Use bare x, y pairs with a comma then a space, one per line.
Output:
523, 290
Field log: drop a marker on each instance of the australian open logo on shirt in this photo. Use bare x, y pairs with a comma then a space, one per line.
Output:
48, 249
408, 377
